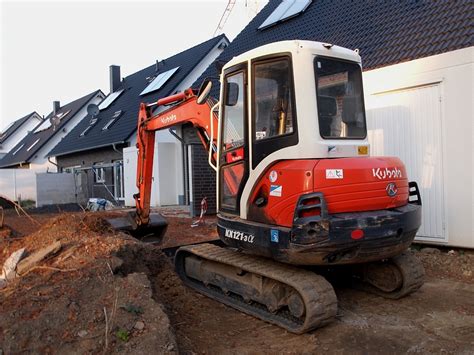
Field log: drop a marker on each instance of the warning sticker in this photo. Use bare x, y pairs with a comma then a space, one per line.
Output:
276, 190
334, 173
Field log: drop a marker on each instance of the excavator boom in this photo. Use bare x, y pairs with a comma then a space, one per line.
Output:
186, 109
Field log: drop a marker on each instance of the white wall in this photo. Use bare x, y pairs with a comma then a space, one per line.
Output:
18, 184
55, 189
165, 186
20, 133
40, 162
454, 71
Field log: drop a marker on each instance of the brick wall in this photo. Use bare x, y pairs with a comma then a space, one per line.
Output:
203, 176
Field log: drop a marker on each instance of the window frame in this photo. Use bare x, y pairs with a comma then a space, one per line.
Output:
361, 94
241, 67
260, 150
99, 178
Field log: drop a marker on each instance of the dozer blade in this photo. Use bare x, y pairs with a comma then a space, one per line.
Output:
152, 232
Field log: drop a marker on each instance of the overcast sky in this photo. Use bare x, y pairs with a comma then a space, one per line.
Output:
61, 50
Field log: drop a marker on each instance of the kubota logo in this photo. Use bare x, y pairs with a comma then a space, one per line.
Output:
387, 173
168, 119
391, 189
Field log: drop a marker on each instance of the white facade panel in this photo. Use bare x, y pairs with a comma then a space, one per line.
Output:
409, 98
407, 123
165, 185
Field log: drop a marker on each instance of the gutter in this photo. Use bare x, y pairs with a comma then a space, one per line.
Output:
88, 148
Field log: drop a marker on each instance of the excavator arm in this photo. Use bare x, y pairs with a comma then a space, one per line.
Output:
186, 109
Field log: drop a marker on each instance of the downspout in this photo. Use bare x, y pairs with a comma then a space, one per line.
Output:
57, 166
113, 147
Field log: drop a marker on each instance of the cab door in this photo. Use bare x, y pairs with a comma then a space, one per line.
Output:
233, 160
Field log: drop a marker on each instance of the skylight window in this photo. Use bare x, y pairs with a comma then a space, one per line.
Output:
284, 11
114, 118
109, 99
31, 146
18, 149
159, 81
92, 122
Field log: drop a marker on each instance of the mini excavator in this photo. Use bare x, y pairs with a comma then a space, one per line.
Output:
296, 186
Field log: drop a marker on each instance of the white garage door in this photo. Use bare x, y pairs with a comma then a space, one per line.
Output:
407, 123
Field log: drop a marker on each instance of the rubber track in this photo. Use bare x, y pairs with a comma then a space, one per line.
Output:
413, 277
317, 293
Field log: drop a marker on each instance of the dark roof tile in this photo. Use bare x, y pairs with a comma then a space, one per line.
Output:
386, 32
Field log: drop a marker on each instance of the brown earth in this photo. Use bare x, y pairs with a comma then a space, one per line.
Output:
48, 308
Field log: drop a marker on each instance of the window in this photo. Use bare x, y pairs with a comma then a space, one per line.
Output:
273, 99
341, 111
114, 118
233, 125
99, 173
71, 169
18, 149
92, 122
159, 81
284, 11
109, 99
31, 146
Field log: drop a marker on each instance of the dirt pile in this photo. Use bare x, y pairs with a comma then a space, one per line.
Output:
84, 298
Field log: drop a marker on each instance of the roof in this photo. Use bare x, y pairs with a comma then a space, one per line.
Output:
14, 126
129, 102
385, 32
21, 153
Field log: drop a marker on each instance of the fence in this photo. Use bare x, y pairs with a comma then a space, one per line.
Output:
43, 188
18, 184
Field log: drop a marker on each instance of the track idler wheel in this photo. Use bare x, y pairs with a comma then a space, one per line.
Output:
393, 278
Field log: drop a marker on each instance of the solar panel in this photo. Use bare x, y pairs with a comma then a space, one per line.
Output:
109, 99
287, 9
159, 81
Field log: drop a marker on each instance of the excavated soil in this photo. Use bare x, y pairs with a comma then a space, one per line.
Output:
48, 308
78, 300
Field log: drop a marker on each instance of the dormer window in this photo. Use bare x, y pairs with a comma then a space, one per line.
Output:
286, 10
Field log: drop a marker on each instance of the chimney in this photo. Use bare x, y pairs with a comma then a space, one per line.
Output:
56, 107
114, 78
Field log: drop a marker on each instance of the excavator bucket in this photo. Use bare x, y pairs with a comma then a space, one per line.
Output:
152, 232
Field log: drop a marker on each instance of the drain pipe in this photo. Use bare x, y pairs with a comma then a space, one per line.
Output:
52, 162
118, 151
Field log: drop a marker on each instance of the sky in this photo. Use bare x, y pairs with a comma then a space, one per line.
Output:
61, 50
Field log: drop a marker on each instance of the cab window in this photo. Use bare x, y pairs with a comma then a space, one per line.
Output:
273, 99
